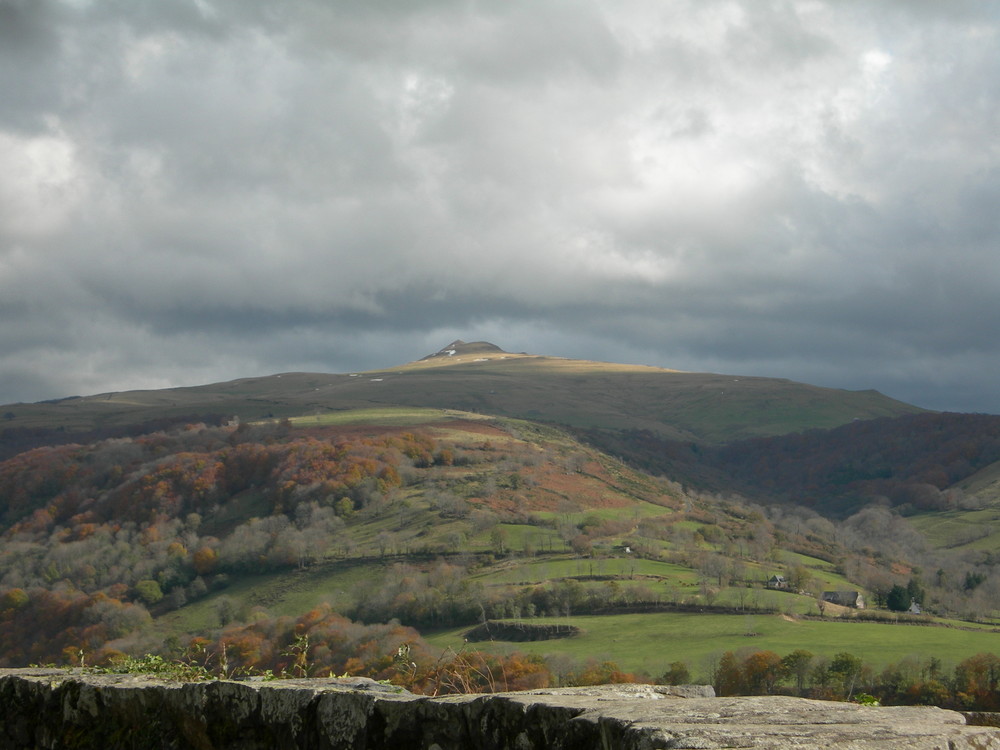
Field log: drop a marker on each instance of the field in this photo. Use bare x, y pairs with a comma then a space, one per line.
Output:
645, 643
961, 529
648, 643
280, 594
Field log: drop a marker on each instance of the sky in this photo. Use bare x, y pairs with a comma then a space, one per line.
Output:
198, 190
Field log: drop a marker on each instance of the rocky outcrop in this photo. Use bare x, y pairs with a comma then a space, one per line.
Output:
63, 709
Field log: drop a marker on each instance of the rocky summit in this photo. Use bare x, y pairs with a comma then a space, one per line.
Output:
460, 348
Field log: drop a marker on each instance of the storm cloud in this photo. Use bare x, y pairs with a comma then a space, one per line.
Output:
197, 190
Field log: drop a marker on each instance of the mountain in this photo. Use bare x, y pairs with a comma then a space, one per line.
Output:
236, 518
480, 377
769, 439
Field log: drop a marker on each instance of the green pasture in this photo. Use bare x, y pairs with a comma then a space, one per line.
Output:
542, 569
516, 538
286, 593
691, 526
639, 510
985, 484
650, 642
971, 529
822, 572
812, 563
383, 416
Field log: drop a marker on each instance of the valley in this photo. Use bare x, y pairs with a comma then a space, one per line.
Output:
365, 522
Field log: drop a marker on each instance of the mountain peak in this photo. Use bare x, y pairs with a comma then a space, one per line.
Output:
458, 348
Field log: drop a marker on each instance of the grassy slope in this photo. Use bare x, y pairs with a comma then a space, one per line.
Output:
340, 582
977, 529
600, 487
599, 491
699, 406
984, 484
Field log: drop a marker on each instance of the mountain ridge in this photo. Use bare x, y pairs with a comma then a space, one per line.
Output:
482, 377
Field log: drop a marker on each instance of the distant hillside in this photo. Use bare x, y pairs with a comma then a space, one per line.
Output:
916, 463
193, 527
482, 378
237, 518
972, 524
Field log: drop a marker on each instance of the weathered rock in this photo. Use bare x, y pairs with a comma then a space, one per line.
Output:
66, 709
982, 718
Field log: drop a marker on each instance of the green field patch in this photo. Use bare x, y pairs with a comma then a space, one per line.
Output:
985, 483
639, 510
820, 571
988, 543
521, 536
764, 599
691, 526
650, 642
406, 529
283, 593
975, 529
831, 581
515, 539
813, 563
388, 416
544, 569
338, 584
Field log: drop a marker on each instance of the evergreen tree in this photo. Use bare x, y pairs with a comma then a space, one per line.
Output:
898, 599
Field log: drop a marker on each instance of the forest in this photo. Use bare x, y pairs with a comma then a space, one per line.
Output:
910, 463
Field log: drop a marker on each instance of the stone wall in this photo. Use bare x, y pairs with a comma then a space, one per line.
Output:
48, 708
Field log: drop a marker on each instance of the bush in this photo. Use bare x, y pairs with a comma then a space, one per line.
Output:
149, 591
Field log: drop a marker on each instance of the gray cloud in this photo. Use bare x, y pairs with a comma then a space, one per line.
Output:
196, 190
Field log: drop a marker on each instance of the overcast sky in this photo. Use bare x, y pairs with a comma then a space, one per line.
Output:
198, 190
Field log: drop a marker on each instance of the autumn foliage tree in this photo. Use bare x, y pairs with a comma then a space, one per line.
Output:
127, 518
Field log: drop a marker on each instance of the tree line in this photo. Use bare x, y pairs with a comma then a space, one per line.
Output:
971, 685
323, 643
